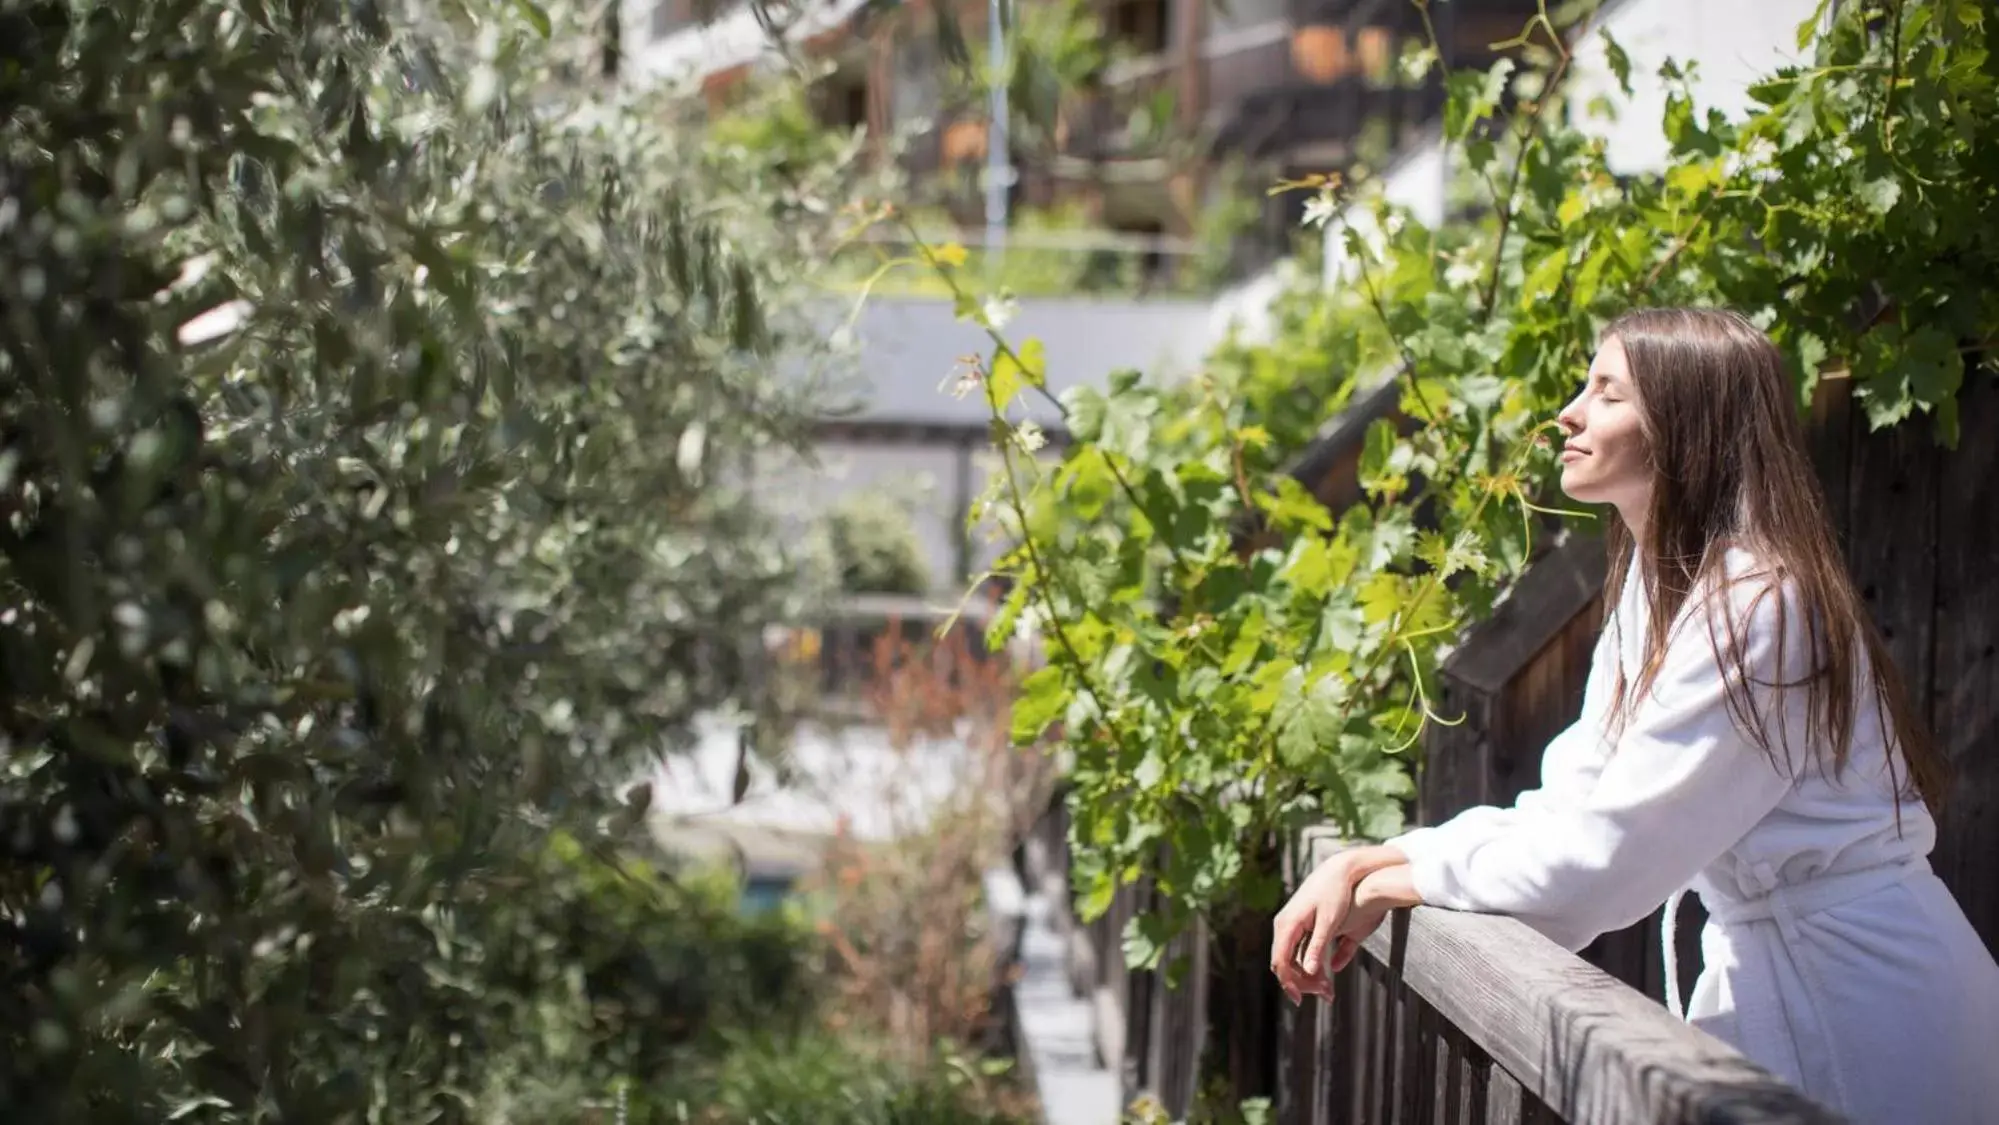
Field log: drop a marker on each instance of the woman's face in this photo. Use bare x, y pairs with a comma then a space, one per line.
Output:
1606, 458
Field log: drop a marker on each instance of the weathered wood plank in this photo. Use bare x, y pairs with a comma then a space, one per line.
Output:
1892, 501
1325, 1085
1456, 763
1381, 1033
1135, 995
1558, 587
1450, 1080
1516, 680
1310, 1058
1410, 1076
1179, 1029
1330, 466
1505, 1099
1423, 1046
1242, 1029
1548, 699
1468, 1075
1829, 433
1964, 702
1111, 987
1305, 1055
1537, 1112
1349, 1032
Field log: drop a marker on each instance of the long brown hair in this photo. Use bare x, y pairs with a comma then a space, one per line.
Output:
1730, 468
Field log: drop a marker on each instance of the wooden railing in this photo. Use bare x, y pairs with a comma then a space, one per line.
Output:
1445, 1019
1472, 1019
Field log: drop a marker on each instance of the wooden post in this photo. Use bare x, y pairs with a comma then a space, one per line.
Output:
880, 91
1245, 1021
1518, 678
1190, 184
1964, 698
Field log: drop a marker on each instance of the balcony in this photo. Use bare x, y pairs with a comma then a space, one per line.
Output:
1299, 87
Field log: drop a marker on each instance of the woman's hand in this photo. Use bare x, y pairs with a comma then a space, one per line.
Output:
1323, 907
1385, 889
1363, 919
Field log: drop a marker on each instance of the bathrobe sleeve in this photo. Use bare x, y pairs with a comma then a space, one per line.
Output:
1480, 822
1682, 785
1565, 763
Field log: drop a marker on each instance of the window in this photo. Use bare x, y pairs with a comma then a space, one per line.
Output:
669, 16
1142, 25
764, 893
1151, 262
842, 101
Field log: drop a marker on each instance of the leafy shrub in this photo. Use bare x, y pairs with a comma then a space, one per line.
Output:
615, 972
829, 1079
646, 966
874, 547
369, 400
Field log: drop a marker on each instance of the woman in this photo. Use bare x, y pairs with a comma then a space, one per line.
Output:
1743, 734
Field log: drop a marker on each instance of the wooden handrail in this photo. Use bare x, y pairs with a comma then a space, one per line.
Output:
1587, 1046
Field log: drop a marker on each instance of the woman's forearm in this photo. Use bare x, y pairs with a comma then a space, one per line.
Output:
1365, 861
1387, 887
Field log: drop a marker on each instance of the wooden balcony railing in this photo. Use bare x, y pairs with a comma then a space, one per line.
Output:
1445, 1019
1466, 1018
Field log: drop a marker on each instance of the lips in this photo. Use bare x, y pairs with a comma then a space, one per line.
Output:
1573, 452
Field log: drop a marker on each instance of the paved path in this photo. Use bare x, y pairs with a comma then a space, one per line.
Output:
1057, 1031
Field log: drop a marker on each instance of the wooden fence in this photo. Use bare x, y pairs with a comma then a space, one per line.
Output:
1451, 1018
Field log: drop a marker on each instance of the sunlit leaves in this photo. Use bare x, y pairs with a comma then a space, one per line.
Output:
1880, 195
1014, 368
1292, 509
1541, 281
1041, 698
1316, 565
1461, 552
1083, 407
536, 15
1474, 96
1617, 60
1308, 717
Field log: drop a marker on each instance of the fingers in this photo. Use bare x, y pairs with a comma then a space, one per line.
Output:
1344, 951
1283, 949
1320, 982
1313, 963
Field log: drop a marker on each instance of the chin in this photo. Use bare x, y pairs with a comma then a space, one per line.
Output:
1579, 490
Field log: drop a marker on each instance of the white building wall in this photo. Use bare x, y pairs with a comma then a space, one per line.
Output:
1730, 44
1416, 181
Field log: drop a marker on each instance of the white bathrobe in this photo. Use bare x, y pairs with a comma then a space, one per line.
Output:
1834, 958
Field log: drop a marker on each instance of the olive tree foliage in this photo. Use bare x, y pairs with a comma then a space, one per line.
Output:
372, 395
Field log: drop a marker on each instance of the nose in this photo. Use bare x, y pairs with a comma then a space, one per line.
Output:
1570, 417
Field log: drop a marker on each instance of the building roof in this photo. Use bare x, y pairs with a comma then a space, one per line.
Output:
908, 352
